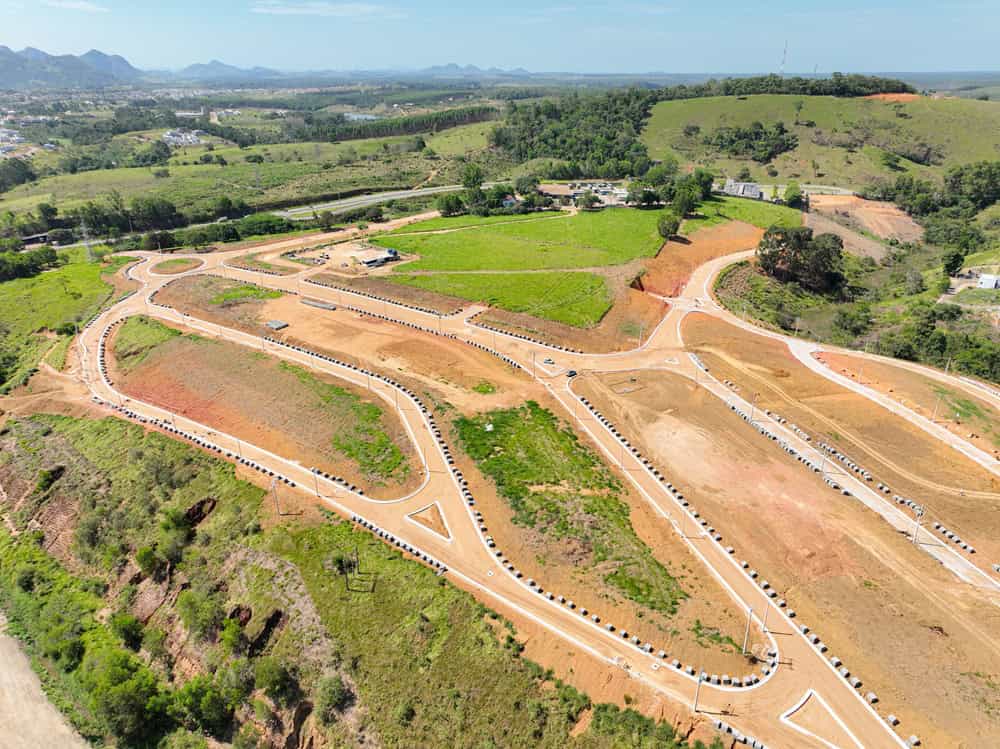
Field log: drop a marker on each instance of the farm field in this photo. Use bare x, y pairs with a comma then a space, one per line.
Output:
320, 420
879, 604
846, 144
607, 237
460, 222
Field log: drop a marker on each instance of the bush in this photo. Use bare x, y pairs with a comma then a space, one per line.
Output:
332, 696
200, 612
128, 628
275, 679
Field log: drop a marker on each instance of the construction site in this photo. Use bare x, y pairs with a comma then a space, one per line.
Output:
727, 528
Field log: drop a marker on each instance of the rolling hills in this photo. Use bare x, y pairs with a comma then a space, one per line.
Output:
848, 142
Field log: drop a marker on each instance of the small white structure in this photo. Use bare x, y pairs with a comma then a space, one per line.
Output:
743, 189
988, 281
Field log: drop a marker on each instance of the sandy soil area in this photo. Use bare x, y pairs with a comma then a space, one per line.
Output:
955, 490
283, 416
882, 219
916, 637
894, 97
431, 517
668, 272
27, 719
925, 396
854, 242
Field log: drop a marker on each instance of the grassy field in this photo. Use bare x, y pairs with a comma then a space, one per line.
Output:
978, 296
422, 660
241, 293
34, 307
560, 488
177, 265
461, 222
608, 237
720, 210
574, 298
845, 146
459, 140
137, 339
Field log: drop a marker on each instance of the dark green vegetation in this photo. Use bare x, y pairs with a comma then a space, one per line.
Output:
560, 488
365, 630
757, 141
47, 304
598, 135
848, 142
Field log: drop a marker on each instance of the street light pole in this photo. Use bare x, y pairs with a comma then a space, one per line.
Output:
697, 689
746, 634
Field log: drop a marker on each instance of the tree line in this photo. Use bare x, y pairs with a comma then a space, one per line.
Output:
598, 134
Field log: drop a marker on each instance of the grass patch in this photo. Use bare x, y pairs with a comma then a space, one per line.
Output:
363, 440
559, 487
176, 265
56, 358
719, 210
136, 339
51, 301
243, 293
573, 298
978, 297
462, 222
485, 388
609, 237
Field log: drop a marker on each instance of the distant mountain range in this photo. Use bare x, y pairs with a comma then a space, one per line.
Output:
34, 69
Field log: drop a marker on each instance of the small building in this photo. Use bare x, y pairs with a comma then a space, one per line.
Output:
389, 256
277, 324
988, 281
743, 189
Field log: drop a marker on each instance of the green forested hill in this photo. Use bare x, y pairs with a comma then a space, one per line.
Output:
847, 142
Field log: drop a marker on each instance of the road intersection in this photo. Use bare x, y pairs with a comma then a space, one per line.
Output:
793, 679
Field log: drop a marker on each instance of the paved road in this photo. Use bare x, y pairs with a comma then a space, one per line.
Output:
363, 201
799, 669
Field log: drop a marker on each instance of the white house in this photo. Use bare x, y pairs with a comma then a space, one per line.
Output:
988, 281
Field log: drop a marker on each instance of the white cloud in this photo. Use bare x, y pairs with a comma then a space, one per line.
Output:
83, 5
351, 11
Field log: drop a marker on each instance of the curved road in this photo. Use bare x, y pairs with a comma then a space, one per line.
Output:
797, 679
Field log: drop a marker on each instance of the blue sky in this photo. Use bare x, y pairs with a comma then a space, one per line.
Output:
682, 37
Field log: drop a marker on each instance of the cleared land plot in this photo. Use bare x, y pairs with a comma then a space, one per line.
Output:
177, 265
459, 140
978, 297
383, 287
569, 522
572, 298
287, 409
720, 210
956, 409
855, 242
608, 237
884, 220
958, 492
889, 611
845, 145
427, 361
668, 272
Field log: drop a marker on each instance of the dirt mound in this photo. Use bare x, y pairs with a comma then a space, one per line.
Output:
668, 273
876, 217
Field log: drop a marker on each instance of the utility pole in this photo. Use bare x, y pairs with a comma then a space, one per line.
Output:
767, 609
746, 634
697, 689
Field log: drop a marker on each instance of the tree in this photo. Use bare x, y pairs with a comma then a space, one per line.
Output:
325, 220
526, 185
128, 628
953, 261
450, 205
744, 175
588, 200
668, 223
200, 704
472, 177
684, 199
793, 195
794, 255
915, 282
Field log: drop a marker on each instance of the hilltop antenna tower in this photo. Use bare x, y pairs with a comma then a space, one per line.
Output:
784, 59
